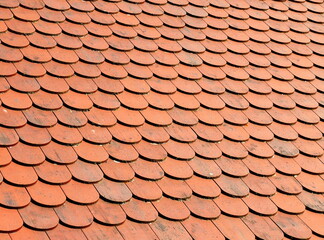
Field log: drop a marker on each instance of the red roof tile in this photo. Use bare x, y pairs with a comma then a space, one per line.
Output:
161, 119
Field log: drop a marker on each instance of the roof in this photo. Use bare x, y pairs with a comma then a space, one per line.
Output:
169, 120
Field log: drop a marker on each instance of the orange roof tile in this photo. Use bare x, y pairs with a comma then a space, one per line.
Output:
161, 119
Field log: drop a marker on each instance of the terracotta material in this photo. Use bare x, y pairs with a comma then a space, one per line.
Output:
161, 119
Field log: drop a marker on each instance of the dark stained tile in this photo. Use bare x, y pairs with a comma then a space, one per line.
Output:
74, 215
59, 153
232, 149
14, 197
33, 135
144, 190
8, 137
40, 218
206, 149
203, 208
115, 152
166, 229
232, 167
311, 182
205, 188
232, 186
113, 191
231, 206
291, 225
283, 148
107, 213
202, 229
131, 229
265, 229
147, 169
140, 211
176, 189
97, 231
260, 205
286, 184
38, 100
232, 227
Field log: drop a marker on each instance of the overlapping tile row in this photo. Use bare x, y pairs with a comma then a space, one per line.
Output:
161, 119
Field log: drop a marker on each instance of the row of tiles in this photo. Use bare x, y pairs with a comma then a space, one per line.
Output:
248, 228
149, 38
190, 15
238, 19
126, 102
163, 57
115, 41
183, 144
198, 9
178, 169
142, 108
263, 195
218, 30
235, 54
271, 106
170, 15
168, 27
237, 180
313, 5
113, 49
153, 91
169, 128
109, 70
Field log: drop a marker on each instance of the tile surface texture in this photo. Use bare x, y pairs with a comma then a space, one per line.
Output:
161, 119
